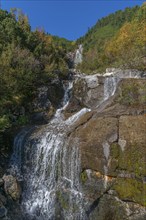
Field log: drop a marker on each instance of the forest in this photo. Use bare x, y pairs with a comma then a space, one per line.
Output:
28, 59
117, 40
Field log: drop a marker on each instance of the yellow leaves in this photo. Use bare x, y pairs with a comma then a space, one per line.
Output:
17, 99
46, 39
130, 35
127, 48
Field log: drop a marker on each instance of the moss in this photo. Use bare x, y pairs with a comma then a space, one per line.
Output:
114, 159
133, 160
84, 176
131, 189
132, 92
115, 150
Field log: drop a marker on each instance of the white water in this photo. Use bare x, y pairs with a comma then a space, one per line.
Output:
76, 116
51, 167
110, 86
16, 158
78, 56
53, 174
51, 170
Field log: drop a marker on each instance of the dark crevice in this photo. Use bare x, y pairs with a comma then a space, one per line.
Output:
127, 200
118, 129
95, 204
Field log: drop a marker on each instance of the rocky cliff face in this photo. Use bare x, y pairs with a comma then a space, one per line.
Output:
98, 156
112, 145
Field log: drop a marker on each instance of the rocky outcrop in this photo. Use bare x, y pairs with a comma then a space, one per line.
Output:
12, 187
112, 148
10, 192
3, 212
47, 99
92, 91
88, 91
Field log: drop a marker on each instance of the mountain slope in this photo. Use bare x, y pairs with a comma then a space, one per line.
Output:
28, 59
120, 33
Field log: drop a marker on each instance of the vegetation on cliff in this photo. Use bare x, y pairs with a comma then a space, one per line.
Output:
28, 59
117, 40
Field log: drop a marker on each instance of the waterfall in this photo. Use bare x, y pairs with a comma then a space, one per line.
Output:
51, 170
50, 167
110, 86
76, 116
52, 175
78, 55
58, 115
15, 164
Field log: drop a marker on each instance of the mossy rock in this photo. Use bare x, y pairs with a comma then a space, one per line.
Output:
115, 150
132, 92
133, 160
84, 176
115, 209
131, 190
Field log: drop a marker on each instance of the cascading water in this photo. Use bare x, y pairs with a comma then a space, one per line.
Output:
51, 168
16, 158
78, 55
110, 86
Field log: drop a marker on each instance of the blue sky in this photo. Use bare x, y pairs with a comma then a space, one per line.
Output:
69, 19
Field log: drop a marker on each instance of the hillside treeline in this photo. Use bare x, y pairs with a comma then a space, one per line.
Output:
117, 40
28, 59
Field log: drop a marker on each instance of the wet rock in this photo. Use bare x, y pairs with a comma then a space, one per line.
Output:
12, 187
40, 118
3, 199
73, 107
1, 182
3, 212
14, 210
1, 171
